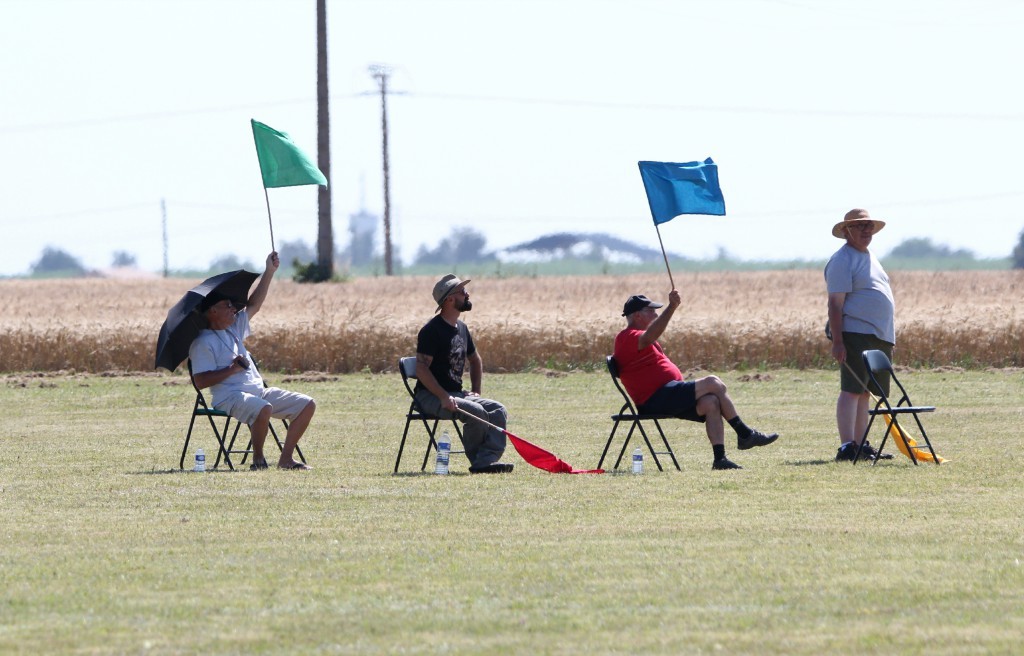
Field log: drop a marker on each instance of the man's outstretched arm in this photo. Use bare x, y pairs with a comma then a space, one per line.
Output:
659, 325
260, 293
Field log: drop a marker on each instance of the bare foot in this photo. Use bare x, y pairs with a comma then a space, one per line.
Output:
293, 465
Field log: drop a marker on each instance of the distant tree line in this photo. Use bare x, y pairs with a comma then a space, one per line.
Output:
923, 247
463, 246
1018, 252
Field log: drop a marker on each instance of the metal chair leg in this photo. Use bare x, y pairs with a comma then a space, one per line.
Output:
608, 444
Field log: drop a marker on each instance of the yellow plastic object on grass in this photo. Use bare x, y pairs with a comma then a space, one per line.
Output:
905, 443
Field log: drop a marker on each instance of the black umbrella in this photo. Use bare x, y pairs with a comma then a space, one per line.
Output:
184, 321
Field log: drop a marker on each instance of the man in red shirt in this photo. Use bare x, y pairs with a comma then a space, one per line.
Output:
657, 387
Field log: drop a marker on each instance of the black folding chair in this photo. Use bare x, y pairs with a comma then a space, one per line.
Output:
407, 367
202, 409
876, 363
627, 413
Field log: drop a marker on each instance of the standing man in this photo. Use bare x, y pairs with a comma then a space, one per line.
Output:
657, 387
442, 348
861, 317
220, 361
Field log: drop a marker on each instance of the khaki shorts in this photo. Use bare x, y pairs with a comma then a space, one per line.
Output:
856, 344
245, 407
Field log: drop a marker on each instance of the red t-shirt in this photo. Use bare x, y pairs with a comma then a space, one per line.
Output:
643, 372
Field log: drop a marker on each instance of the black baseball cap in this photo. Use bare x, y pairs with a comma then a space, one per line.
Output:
637, 303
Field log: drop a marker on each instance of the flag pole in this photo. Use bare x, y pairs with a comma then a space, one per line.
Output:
269, 221
481, 420
665, 255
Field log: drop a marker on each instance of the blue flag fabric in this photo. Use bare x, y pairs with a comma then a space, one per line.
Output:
686, 188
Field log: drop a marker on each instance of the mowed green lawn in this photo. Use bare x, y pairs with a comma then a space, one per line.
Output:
108, 548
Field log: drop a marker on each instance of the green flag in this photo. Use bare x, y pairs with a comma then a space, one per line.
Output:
281, 162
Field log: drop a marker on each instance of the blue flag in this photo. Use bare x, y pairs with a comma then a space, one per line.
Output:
687, 188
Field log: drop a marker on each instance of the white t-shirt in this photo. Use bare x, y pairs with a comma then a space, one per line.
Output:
215, 349
869, 307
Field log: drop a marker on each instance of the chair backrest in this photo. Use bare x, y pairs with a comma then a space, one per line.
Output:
613, 370
200, 399
407, 367
877, 362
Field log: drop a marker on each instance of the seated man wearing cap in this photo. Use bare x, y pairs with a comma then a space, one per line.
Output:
443, 347
220, 361
657, 385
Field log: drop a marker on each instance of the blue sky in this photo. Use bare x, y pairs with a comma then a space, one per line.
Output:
518, 118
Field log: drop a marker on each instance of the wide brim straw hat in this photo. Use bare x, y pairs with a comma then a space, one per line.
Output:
855, 217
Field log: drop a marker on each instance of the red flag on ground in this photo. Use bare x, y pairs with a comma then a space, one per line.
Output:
545, 460
534, 455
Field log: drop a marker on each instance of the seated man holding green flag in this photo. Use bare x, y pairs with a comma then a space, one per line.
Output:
657, 387
221, 362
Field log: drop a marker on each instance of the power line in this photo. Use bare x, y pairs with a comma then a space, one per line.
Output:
787, 111
551, 102
92, 211
153, 116
550, 220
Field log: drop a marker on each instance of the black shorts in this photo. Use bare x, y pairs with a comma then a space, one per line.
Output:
857, 381
678, 399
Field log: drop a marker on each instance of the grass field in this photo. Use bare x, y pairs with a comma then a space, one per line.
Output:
753, 320
107, 548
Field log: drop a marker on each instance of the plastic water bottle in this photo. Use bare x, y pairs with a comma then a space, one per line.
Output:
200, 461
638, 461
444, 451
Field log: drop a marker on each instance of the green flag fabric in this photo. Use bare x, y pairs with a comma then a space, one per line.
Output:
281, 162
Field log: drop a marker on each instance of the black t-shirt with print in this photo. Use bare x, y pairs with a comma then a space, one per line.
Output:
449, 346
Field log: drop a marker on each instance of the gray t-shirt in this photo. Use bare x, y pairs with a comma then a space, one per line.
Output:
869, 307
215, 349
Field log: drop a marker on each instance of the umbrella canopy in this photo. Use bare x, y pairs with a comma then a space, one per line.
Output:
184, 320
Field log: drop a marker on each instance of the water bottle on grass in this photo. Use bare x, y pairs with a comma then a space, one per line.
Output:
638, 461
200, 461
444, 450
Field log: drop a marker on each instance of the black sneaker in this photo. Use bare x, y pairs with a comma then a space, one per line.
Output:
493, 468
756, 438
869, 452
725, 463
847, 452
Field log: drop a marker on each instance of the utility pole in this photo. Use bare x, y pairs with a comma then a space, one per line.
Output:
381, 73
325, 231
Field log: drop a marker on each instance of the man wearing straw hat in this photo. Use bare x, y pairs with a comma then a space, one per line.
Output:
443, 348
861, 312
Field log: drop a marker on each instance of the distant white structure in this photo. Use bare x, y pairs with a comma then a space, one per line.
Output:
362, 228
573, 246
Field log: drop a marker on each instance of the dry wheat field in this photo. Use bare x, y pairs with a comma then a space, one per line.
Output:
728, 320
